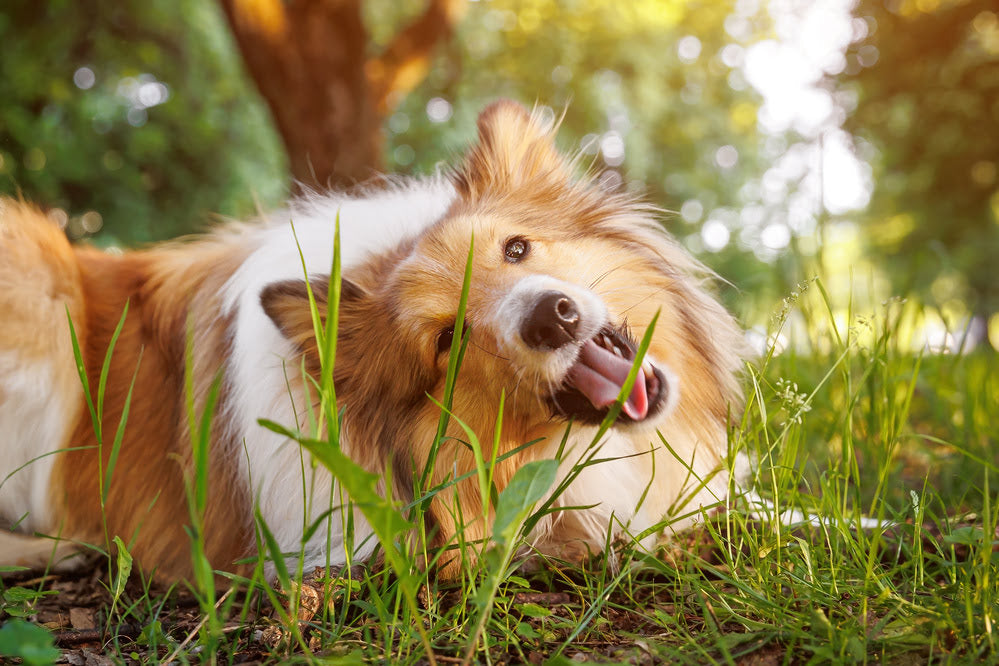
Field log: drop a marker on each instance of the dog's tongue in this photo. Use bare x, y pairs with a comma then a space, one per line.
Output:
600, 374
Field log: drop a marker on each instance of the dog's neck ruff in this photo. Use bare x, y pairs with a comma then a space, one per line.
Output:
263, 360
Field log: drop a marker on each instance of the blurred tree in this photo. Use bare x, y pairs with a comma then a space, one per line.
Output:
926, 83
327, 96
131, 116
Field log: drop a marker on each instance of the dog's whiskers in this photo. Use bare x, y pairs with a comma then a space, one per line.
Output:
491, 353
634, 305
600, 278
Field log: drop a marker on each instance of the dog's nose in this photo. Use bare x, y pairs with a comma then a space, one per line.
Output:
552, 322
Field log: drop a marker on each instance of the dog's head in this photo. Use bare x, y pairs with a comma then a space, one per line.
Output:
566, 279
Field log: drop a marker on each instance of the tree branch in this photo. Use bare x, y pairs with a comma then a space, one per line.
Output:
405, 62
308, 59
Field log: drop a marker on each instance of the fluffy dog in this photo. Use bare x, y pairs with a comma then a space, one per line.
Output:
566, 279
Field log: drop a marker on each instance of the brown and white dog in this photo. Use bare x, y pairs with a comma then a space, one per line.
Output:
566, 278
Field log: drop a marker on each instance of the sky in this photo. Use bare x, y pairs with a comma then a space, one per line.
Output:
811, 40
819, 173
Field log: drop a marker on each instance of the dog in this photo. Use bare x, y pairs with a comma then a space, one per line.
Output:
566, 279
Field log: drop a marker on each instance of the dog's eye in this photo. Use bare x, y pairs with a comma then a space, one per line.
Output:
516, 249
444, 339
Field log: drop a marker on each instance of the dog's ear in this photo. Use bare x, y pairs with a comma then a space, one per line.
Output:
515, 148
287, 304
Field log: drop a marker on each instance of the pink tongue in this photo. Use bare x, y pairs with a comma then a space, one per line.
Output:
600, 374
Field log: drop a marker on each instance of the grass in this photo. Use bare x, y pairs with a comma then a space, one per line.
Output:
845, 423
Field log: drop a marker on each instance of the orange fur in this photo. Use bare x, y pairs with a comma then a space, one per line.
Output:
146, 502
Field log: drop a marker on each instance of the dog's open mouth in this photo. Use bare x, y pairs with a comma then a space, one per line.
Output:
596, 379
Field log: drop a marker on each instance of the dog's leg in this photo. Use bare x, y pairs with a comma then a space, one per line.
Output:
31, 552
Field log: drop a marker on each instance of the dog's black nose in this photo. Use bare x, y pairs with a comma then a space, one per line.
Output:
552, 322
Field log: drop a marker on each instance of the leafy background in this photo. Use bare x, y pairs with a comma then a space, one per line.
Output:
137, 121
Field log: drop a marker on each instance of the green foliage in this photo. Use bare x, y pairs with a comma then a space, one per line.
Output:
615, 70
28, 641
122, 572
529, 484
926, 80
923, 78
196, 489
102, 145
95, 406
515, 503
18, 601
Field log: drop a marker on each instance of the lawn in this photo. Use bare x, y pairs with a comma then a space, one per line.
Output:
845, 423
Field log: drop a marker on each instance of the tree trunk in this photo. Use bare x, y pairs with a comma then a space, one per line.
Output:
328, 99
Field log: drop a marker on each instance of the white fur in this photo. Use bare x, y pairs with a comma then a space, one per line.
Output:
262, 358
620, 490
31, 552
34, 419
616, 486
762, 509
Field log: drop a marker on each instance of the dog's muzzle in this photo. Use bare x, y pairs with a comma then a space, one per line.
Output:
601, 367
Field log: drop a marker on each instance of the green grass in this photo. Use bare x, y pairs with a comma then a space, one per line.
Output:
847, 422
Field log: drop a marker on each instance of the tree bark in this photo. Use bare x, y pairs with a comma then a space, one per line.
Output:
328, 99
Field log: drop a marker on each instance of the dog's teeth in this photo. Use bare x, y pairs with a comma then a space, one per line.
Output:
617, 350
648, 371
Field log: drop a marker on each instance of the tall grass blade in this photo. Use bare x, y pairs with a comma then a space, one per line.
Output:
119, 435
459, 342
528, 485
